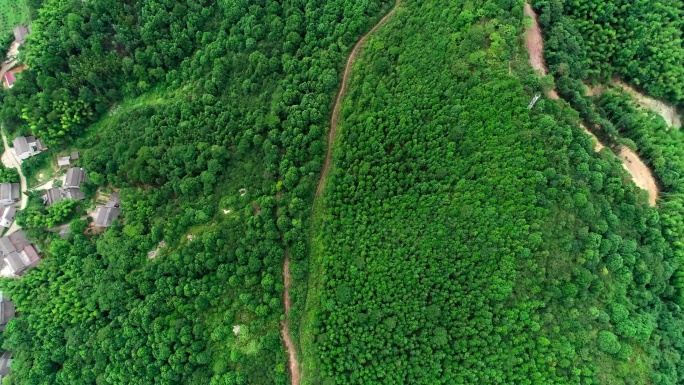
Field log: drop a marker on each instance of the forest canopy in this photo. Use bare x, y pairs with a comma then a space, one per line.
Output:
461, 237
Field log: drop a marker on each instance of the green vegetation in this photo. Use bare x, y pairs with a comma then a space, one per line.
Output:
12, 14
464, 239
662, 148
461, 237
211, 98
639, 40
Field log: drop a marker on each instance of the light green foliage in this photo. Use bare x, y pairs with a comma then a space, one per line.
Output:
608, 342
12, 14
234, 97
447, 191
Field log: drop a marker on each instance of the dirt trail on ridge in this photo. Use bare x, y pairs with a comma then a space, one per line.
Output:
293, 363
641, 174
340, 95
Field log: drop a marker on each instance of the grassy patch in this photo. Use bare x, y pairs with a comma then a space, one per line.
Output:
12, 14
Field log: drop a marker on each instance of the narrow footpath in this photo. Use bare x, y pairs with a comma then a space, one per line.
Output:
293, 363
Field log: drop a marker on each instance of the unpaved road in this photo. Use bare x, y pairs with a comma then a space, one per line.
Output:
640, 172
535, 46
668, 112
295, 372
340, 94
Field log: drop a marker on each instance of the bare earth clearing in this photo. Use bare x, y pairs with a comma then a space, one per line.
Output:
640, 172
668, 112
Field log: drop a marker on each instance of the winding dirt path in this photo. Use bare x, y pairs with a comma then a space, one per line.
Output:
340, 95
293, 363
641, 174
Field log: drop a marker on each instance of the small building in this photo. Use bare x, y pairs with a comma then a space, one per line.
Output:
18, 253
27, 146
52, 196
106, 215
8, 79
64, 161
7, 216
74, 155
74, 193
20, 33
6, 311
109, 212
74, 177
5, 363
9, 193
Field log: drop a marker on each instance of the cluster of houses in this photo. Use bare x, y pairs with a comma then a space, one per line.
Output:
15, 250
18, 253
70, 189
10, 194
9, 77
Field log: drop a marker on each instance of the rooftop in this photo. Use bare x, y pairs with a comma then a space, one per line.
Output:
74, 177
106, 215
21, 145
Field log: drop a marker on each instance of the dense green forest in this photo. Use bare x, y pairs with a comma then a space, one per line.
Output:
464, 239
642, 41
181, 105
461, 238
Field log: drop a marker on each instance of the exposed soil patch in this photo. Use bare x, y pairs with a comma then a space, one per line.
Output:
640, 173
668, 112
535, 47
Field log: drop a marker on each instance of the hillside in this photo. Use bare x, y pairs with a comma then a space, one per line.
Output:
342, 192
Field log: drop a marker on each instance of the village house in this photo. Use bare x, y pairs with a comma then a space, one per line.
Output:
109, 212
73, 178
52, 196
7, 215
10, 193
72, 183
18, 253
8, 79
64, 161
6, 311
27, 146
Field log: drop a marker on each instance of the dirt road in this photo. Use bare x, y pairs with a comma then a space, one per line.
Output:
535, 47
668, 112
641, 174
340, 95
293, 363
